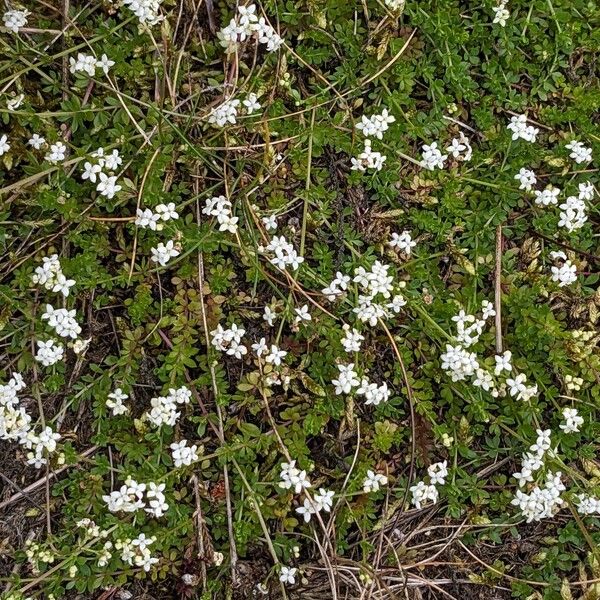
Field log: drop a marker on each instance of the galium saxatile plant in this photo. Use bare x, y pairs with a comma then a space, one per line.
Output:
316, 346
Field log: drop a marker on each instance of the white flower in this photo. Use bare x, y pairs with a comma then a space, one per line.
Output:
4, 145
376, 125
503, 362
288, 575
403, 241
276, 355
49, 352
302, 314
284, 253
373, 481
115, 402
368, 159
458, 146
147, 219
105, 63
108, 186
487, 309
220, 207
90, 171
111, 161
572, 421
324, 500
62, 320
566, 274
573, 213
36, 141
15, 102
373, 393
260, 347
251, 103
269, 316
586, 191
229, 340
517, 385
15, 19
83, 62
526, 179
270, 222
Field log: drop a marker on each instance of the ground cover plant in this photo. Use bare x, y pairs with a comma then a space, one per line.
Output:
299, 299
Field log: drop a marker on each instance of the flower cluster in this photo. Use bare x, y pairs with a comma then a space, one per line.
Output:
86, 63
57, 153
246, 25
62, 321
423, 492
134, 496
564, 272
579, 153
520, 129
375, 285
373, 481
135, 552
501, 13
114, 402
323, 501
220, 207
352, 339
154, 220
50, 275
182, 454
15, 19
588, 505
229, 340
368, 159
293, 478
461, 364
376, 125
403, 242
541, 503
227, 111
572, 420
432, 157
337, 287
373, 393
15, 424
285, 255
49, 352
145, 10
164, 408
99, 172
